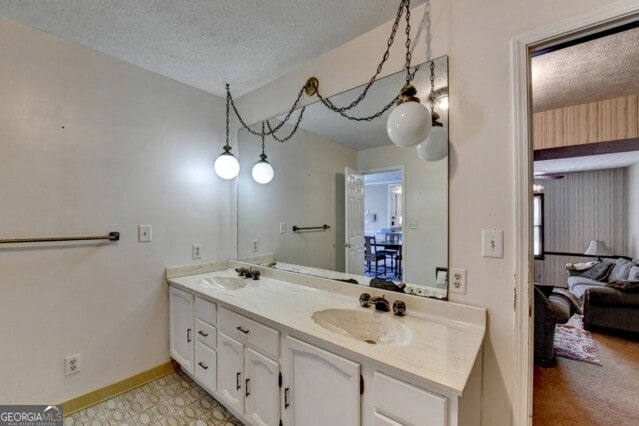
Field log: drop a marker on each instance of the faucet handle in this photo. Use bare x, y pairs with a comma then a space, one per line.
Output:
399, 308
365, 300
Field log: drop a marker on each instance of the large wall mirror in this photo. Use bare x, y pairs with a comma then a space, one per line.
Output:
405, 206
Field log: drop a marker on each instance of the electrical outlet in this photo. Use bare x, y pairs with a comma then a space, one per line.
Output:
197, 251
254, 245
457, 280
72, 364
282, 227
144, 233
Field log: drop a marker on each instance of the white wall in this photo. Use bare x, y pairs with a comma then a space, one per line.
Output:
309, 168
90, 145
632, 200
476, 36
376, 201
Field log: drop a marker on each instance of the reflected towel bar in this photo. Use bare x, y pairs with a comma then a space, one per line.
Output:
113, 236
297, 228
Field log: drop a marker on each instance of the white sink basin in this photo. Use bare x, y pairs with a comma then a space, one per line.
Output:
225, 283
366, 326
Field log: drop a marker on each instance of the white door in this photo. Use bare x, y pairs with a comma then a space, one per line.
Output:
181, 328
261, 389
320, 388
230, 371
354, 246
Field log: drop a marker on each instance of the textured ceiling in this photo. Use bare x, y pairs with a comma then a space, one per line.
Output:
603, 68
206, 43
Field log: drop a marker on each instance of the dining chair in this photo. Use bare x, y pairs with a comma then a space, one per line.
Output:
371, 255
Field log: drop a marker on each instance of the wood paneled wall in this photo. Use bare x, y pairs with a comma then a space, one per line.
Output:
602, 121
582, 206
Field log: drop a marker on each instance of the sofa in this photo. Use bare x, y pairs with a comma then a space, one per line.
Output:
609, 293
550, 310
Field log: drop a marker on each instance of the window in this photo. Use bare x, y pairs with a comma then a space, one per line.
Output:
538, 226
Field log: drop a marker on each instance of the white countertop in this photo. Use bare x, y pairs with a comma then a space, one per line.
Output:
446, 336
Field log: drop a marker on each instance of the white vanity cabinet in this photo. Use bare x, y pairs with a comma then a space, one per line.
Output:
396, 402
248, 373
193, 336
320, 388
181, 328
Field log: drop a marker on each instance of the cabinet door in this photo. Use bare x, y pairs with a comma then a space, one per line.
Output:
206, 366
181, 328
261, 389
321, 388
230, 371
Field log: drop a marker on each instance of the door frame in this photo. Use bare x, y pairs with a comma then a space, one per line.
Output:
596, 21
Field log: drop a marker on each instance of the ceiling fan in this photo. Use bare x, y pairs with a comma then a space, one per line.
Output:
543, 175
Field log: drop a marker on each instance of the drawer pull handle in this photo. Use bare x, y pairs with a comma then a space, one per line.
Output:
237, 381
246, 382
201, 333
188, 335
201, 364
286, 404
239, 328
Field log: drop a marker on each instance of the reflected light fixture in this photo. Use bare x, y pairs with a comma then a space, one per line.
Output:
262, 171
408, 124
435, 146
226, 165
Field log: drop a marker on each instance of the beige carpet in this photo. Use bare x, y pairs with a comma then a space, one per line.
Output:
578, 393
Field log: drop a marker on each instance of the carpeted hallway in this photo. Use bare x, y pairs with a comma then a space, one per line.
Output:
578, 393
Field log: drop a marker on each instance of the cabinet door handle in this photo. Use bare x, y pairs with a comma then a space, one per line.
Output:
201, 364
246, 382
286, 404
201, 333
239, 328
237, 381
188, 335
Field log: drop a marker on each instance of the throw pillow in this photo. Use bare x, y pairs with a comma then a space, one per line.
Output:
599, 272
633, 275
620, 270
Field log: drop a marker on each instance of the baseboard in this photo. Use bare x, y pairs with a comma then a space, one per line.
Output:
99, 395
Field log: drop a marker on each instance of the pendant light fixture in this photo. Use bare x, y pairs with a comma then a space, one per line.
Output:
408, 125
262, 171
435, 146
226, 165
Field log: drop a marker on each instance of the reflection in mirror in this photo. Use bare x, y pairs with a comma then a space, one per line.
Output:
405, 199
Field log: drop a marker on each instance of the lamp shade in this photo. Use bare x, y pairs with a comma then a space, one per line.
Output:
262, 172
598, 248
226, 166
408, 124
435, 147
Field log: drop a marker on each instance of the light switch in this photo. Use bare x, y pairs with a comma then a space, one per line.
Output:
144, 233
282, 227
412, 224
492, 243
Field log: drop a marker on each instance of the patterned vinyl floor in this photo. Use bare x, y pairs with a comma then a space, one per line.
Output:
170, 400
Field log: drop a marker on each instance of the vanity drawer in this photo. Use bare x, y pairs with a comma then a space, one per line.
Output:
258, 336
406, 404
205, 310
206, 366
205, 333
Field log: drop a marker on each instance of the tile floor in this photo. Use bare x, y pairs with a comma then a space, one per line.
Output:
170, 400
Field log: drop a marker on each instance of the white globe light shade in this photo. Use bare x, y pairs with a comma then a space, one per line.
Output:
226, 166
408, 124
435, 147
262, 172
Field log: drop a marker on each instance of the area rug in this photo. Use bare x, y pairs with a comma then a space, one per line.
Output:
572, 341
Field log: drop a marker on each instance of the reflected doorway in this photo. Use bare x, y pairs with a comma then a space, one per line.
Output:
383, 222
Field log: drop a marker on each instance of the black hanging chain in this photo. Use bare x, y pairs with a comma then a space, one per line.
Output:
276, 128
404, 4
263, 154
432, 87
284, 139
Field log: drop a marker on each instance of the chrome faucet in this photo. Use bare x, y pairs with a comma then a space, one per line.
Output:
248, 273
383, 305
